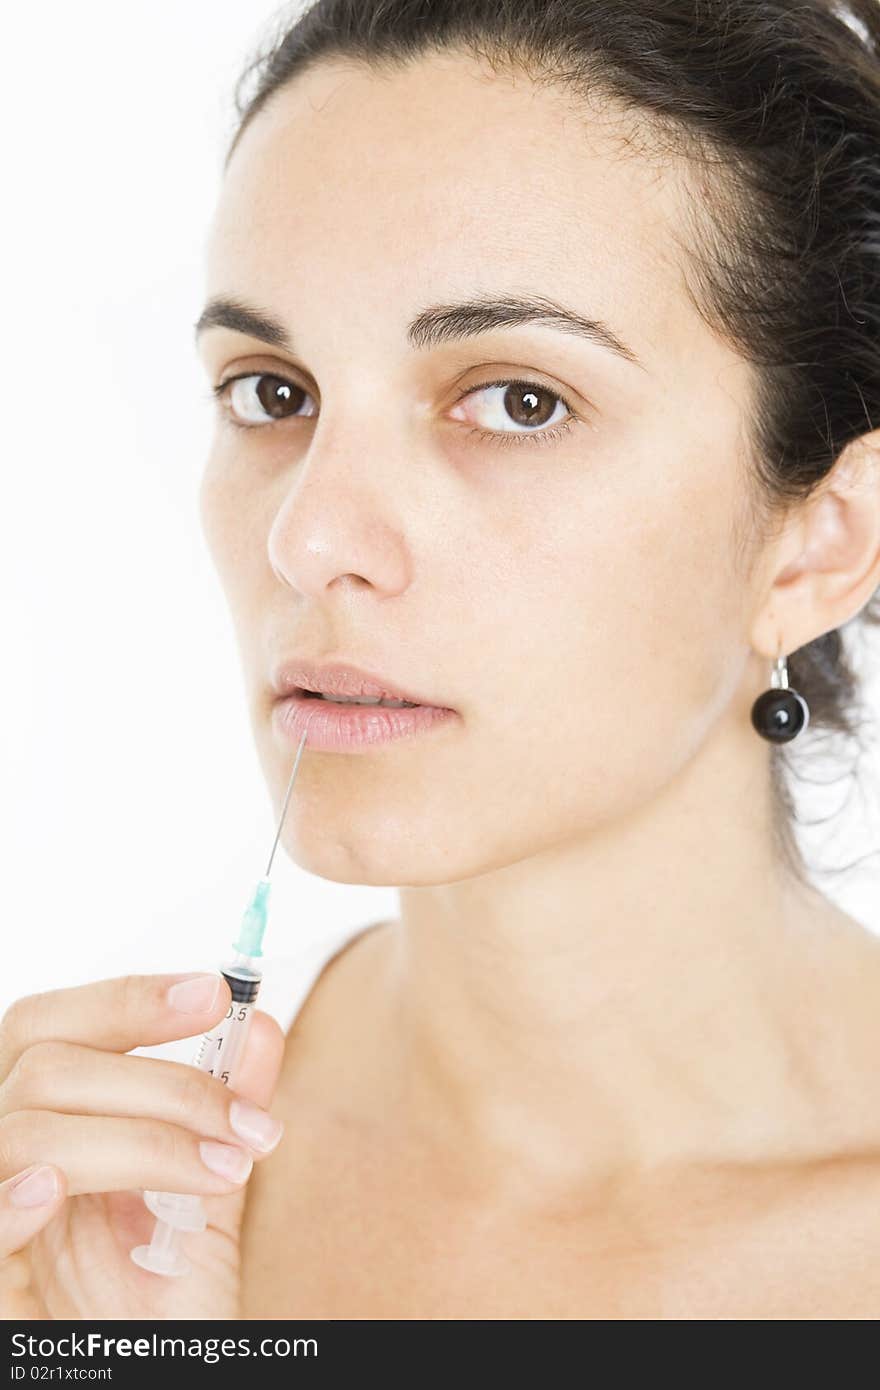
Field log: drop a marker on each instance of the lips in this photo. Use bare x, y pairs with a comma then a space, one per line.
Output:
352, 728
340, 678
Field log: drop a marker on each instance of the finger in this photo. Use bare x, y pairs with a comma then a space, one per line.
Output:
28, 1201
75, 1080
118, 1014
106, 1154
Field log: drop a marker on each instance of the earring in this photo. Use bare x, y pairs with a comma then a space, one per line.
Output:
780, 714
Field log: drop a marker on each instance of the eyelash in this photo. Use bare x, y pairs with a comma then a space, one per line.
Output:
503, 438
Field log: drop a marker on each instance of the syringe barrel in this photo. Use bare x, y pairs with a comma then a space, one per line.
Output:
220, 1049
218, 1053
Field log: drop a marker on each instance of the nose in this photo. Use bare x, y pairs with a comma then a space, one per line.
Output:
338, 523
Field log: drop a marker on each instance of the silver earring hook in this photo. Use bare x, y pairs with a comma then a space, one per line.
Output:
779, 675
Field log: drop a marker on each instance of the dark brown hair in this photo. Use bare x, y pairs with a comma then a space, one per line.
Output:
777, 104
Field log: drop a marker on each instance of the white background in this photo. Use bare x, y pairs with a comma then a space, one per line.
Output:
135, 818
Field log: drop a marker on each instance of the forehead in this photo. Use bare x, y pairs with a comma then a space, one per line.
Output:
392, 188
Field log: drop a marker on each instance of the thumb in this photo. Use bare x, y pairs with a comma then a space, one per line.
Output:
259, 1065
28, 1201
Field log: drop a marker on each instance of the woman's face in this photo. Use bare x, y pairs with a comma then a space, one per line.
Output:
557, 561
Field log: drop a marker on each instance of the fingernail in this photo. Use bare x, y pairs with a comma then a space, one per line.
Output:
226, 1159
195, 996
33, 1187
255, 1126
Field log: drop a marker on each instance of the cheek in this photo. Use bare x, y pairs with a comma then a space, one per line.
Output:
227, 506
674, 598
616, 640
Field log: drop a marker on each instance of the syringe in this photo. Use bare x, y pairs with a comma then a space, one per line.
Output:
218, 1053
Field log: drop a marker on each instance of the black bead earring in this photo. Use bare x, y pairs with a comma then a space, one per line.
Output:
780, 714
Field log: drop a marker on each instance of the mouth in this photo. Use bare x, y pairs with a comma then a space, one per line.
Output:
338, 723
357, 700
341, 684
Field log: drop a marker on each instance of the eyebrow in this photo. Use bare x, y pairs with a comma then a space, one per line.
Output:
440, 323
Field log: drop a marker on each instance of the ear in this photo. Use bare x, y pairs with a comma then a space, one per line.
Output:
825, 565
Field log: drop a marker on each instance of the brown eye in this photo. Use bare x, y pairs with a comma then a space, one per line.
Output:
517, 409
262, 397
529, 405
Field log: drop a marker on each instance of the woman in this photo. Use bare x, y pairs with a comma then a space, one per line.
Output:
544, 342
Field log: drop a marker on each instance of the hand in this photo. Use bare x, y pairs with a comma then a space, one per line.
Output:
102, 1126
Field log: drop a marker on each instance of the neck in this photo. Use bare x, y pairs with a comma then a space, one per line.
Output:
641, 995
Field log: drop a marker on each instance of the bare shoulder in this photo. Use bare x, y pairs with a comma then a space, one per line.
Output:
343, 1003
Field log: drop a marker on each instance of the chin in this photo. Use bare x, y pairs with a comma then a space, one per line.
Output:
340, 855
